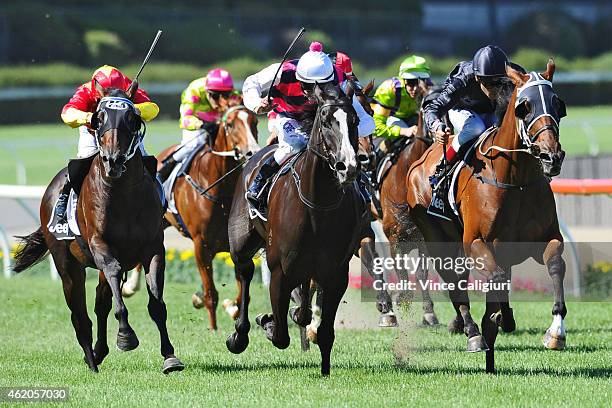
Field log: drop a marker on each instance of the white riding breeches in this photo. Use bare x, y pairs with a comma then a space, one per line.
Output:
192, 139
291, 138
468, 125
393, 121
88, 146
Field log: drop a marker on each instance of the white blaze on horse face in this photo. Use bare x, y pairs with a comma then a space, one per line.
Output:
347, 153
253, 146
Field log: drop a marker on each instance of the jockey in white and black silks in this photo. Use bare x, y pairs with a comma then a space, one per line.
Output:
289, 100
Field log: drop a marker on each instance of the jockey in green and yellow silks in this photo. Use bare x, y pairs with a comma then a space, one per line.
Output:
397, 100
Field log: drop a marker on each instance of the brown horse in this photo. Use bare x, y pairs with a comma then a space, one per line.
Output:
119, 215
503, 197
313, 226
205, 214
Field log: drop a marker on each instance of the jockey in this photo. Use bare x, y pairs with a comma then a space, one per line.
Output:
202, 103
80, 109
470, 97
290, 99
344, 70
396, 101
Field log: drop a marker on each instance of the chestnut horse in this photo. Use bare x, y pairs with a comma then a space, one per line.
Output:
313, 226
206, 214
503, 197
119, 215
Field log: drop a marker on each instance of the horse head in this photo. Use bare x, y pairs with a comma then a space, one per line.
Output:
117, 124
334, 131
240, 130
538, 112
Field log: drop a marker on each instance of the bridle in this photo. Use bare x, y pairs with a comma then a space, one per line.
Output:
529, 139
321, 149
116, 103
235, 151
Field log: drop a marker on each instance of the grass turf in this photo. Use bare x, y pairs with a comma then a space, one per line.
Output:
376, 367
44, 149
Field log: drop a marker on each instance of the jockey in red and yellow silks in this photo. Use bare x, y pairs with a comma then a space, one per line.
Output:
78, 113
80, 108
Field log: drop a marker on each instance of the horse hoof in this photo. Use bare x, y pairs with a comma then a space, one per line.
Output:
94, 367
387, 320
172, 364
293, 313
507, 325
127, 342
237, 343
456, 326
197, 300
430, 319
311, 333
100, 355
263, 318
231, 308
476, 344
553, 341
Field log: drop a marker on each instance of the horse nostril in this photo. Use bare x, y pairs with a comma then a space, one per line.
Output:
546, 157
363, 158
104, 158
340, 166
249, 153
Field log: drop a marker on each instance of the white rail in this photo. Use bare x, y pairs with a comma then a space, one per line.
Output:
20, 193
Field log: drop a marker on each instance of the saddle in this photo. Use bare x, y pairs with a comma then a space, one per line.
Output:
77, 171
442, 203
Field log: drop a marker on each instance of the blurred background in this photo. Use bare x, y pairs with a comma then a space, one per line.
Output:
48, 48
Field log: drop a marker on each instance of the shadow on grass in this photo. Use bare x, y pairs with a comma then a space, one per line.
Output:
605, 372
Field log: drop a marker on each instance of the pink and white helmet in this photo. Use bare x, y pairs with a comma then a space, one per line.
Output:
219, 80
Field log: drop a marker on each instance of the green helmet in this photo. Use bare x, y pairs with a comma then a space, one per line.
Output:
414, 67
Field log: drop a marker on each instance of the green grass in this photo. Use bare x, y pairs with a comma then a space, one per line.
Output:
44, 149
376, 367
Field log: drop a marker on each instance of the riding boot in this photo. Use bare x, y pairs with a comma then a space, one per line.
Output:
269, 168
59, 222
166, 169
363, 184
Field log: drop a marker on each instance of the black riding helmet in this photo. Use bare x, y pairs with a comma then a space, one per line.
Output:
490, 61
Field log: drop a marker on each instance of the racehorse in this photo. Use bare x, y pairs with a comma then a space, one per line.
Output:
119, 215
313, 226
503, 196
205, 208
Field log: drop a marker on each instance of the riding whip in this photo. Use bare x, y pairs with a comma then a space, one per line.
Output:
159, 32
297, 37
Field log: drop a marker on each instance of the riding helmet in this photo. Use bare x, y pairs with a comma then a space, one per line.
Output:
490, 61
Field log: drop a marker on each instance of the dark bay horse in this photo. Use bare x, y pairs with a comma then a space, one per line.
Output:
503, 198
206, 215
313, 226
119, 215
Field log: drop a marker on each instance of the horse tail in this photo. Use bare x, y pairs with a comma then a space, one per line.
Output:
32, 250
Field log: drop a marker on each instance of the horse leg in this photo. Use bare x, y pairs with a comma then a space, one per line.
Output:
313, 327
126, 337
333, 291
204, 259
302, 313
238, 341
132, 285
154, 274
429, 315
104, 303
489, 331
367, 254
555, 337
280, 294
73, 282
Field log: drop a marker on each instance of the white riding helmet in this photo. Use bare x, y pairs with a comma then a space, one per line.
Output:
315, 66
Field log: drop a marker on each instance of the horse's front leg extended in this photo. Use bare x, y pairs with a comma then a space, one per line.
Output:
554, 339
105, 261
154, 273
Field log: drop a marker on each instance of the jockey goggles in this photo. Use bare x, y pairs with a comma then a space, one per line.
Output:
217, 94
